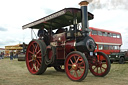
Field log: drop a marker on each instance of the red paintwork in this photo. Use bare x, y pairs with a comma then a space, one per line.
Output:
69, 46
63, 47
105, 39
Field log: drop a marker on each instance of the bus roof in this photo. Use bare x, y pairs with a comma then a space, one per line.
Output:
97, 29
58, 19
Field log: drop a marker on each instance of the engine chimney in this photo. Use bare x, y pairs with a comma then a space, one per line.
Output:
84, 13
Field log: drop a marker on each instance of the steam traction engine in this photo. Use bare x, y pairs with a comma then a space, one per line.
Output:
71, 47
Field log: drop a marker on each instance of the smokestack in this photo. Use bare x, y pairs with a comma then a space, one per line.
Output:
84, 13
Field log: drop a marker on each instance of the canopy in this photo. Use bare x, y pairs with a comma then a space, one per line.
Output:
59, 19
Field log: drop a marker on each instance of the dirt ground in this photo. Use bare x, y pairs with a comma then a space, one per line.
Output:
13, 72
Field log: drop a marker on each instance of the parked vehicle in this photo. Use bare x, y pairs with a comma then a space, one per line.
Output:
21, 55
120, 57
70, 47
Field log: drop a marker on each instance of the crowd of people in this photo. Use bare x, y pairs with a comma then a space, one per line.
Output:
12, 55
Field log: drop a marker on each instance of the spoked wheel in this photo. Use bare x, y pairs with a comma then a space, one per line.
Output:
59, 68
100, 64
35, 57
76, 66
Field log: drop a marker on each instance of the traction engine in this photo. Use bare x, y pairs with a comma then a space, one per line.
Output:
70, 50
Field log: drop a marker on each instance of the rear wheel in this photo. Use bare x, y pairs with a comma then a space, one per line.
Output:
76, 66
100, 64
35, 57
59, 68
121, 60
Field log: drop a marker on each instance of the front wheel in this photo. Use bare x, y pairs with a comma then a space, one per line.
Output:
35, 57
99, 64
121, 60
76, 66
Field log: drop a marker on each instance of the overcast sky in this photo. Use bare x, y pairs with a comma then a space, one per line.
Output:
16, 13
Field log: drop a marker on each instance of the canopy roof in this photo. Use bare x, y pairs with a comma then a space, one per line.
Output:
59, 19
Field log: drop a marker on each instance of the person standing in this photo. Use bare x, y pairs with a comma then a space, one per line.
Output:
1, 55
41, 32
11, 55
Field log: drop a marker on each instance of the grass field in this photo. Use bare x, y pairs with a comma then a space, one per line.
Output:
13, 72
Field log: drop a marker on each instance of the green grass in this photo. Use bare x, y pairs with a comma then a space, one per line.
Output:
13, 72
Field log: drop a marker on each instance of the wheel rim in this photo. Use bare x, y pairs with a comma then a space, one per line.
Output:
75, 66
33, 57
99, 65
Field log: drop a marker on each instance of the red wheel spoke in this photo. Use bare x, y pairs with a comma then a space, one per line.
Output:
30, 60
70, 69
39, 57
32, 68
36, 47
33, 46
76, 73
38, 52
38, 63
35, 67
40, 60
103, 67
71, 61
83, 67
94, 68
69, 64
97, 69
81, 62
80, 72
77, 59
31, 52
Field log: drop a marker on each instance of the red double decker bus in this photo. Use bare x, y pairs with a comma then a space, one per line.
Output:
109, 42
106, 41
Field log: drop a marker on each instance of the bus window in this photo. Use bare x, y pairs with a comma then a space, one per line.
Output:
105, 47
118, 36
115, 47
96, 47
100, 47
110, 47
109, 34
104, 33
89, 33
94, 32
99, 33
114, 35
118, 47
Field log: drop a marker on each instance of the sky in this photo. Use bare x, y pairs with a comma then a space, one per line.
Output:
16, 13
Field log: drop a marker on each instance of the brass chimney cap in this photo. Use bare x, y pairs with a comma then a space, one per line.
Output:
85, 2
